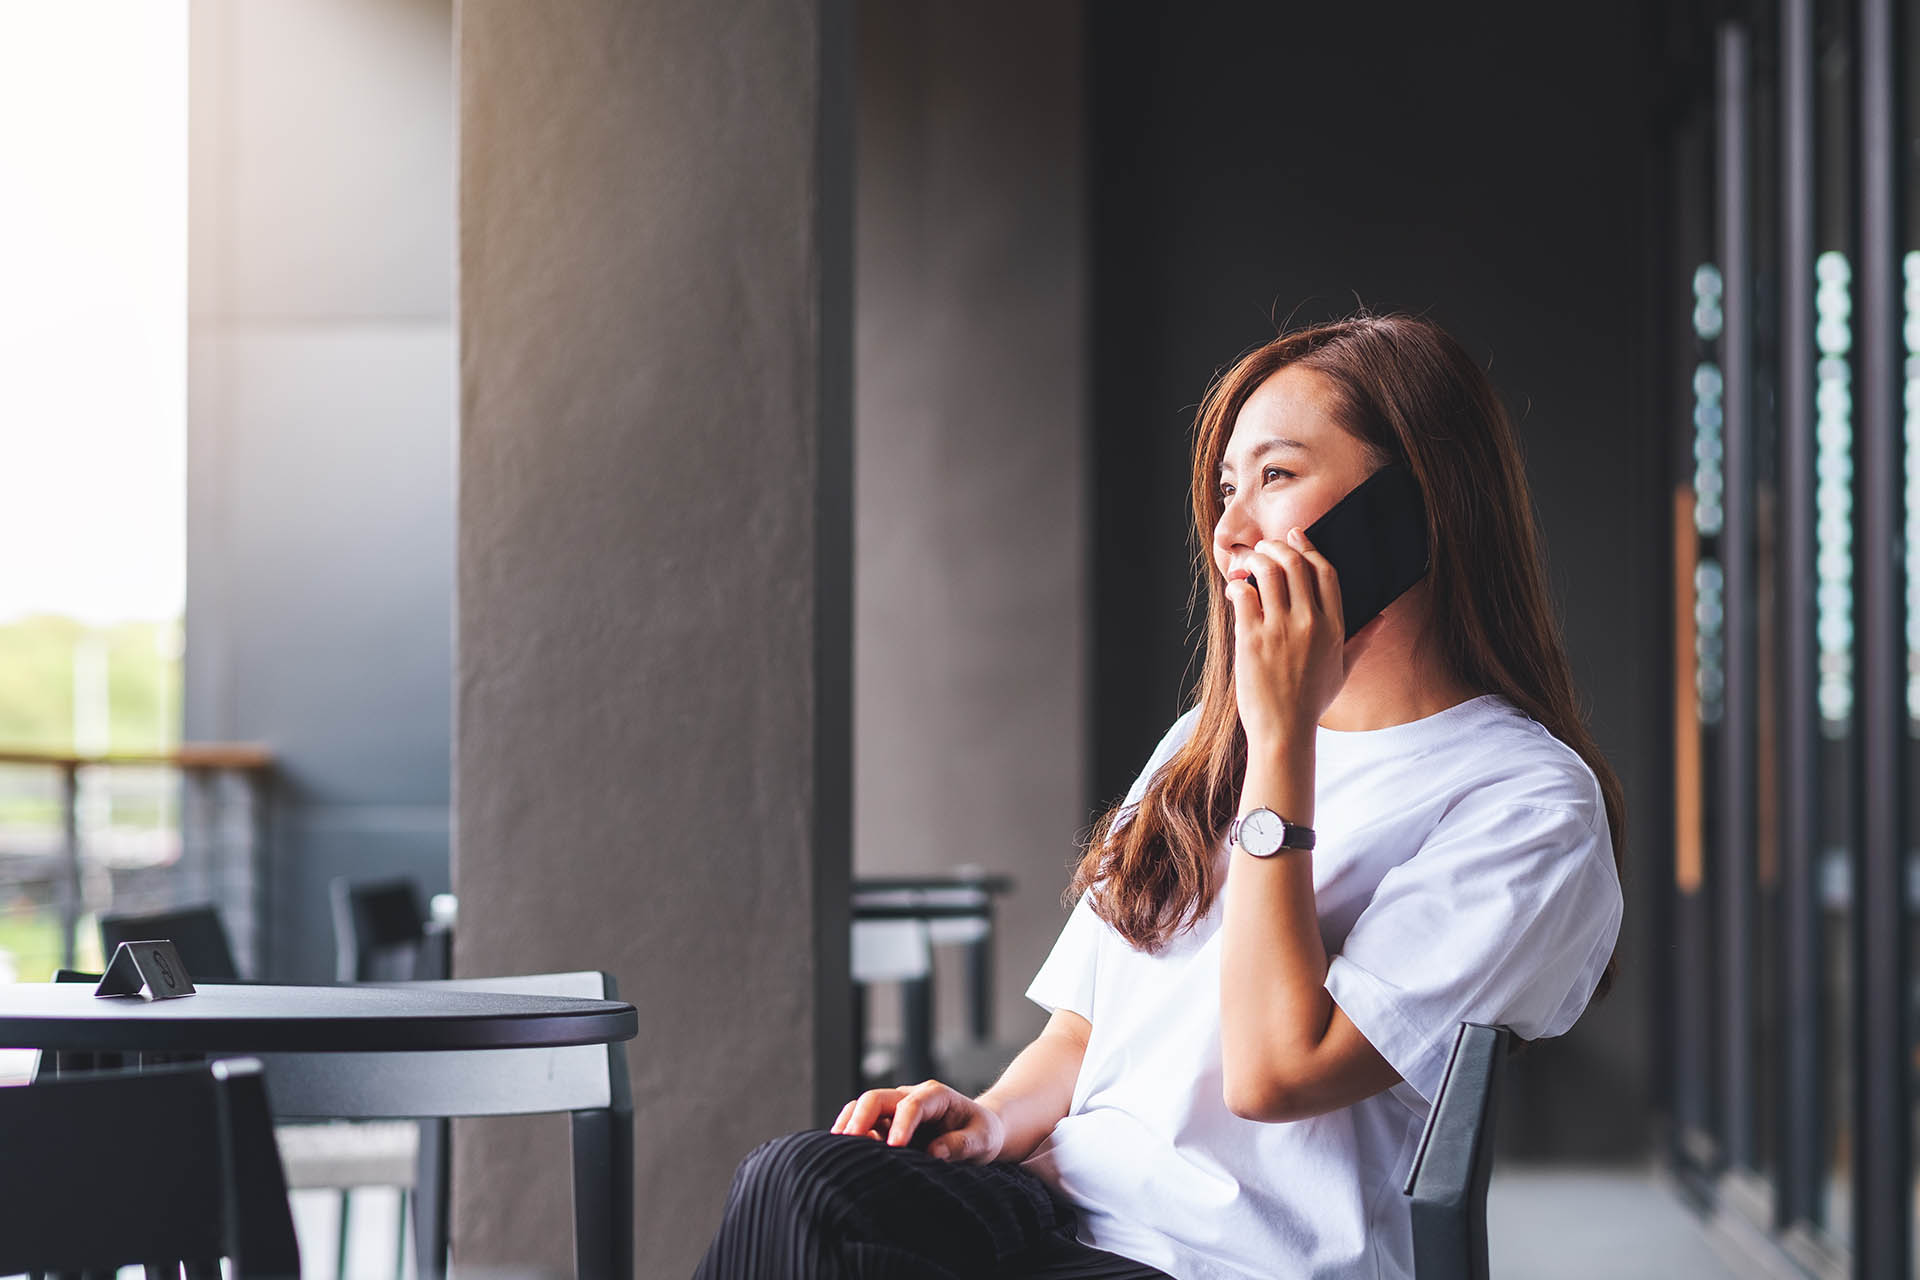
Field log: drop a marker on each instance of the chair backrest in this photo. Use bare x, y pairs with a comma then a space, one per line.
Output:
119, 1168
588, 1080
481, 1082
196, 931
1448, 1180
890, 950
378, 929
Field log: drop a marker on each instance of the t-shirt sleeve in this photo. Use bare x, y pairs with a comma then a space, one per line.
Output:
1066, 978
1506, 915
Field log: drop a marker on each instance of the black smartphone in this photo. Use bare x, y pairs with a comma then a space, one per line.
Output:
1376, 540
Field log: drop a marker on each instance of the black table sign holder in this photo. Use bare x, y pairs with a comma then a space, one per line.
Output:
151, 969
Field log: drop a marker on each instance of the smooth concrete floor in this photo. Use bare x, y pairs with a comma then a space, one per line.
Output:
1559, 1222
1551, 1222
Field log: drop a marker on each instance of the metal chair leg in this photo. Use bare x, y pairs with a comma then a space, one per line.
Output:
980, 989
603, 1194
400, 1242
340, 1258
916, 1049
859, 1038
430, 1199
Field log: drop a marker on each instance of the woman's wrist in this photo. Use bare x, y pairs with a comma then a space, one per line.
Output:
1280, 777
996, 1124
1282, 740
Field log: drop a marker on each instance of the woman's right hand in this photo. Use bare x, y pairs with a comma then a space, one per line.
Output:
952, 1126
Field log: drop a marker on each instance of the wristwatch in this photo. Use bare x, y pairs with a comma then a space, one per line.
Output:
1263, 833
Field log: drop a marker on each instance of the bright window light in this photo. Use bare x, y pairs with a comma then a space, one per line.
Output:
93, 362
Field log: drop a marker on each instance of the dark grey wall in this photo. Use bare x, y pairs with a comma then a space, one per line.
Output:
655, 571
320, 431
971, 507
1260, 164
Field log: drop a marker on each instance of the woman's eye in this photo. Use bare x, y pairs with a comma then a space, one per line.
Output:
1226, 492
1276, 471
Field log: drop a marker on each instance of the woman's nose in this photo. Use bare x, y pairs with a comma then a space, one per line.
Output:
1235, 527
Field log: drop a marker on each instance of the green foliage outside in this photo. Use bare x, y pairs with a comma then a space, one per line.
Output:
140, 662
29, 944
36, 683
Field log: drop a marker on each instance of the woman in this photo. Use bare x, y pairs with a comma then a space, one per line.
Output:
1244, 1041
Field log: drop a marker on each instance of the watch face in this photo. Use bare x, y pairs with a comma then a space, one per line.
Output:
1260, 832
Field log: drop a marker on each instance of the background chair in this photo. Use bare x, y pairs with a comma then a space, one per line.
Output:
1448, 1180
588, 1081
382, 933
170, 1165
897, 921
197, 932
893, 951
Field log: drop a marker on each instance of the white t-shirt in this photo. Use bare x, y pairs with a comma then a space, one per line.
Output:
1463, 871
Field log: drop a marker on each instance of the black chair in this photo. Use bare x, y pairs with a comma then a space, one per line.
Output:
160, 1167
197, 934
1448, 1181
896, 922
381, 933
589, 1081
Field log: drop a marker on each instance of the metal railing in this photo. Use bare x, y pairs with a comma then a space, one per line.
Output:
83, 835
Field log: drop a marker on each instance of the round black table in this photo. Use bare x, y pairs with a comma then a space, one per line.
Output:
357, 1028
248, 1018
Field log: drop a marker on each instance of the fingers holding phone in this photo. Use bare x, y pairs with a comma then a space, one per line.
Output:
1288, 664
1363, 553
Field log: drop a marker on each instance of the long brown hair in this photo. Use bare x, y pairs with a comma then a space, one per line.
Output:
1410, 393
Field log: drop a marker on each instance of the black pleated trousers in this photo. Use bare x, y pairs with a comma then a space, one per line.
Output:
816, 1205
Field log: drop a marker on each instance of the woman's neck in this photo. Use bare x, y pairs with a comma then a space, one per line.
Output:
1395, 678
1376, 707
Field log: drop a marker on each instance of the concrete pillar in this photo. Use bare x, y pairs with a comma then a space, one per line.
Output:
654, 576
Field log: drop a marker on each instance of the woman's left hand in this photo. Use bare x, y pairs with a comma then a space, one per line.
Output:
1290, 653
